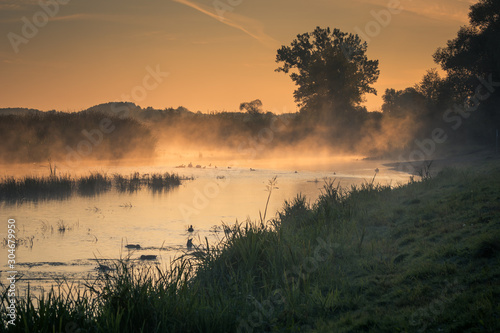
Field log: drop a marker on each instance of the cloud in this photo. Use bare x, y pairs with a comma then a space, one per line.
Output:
7, 59
447, 10
92, 16
25, 5
17, 5
249, 26
158, 34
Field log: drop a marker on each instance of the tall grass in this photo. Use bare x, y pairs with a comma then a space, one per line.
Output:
31, 188
93, 184
160, 182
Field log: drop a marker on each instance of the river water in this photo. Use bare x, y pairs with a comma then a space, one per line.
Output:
66, 238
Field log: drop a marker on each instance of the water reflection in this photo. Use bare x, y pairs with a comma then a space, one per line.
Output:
94, 224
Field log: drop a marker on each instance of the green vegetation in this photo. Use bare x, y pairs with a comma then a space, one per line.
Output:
420, 257
31, 188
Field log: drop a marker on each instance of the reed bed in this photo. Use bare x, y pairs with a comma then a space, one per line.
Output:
34, 188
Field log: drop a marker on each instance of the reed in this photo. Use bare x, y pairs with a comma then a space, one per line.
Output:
93, 184
34, 188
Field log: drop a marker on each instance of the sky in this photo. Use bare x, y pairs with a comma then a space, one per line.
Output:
205, 55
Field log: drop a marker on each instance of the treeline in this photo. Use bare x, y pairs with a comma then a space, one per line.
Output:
137, 132
72, 137
461, 107
332, 74
259, 134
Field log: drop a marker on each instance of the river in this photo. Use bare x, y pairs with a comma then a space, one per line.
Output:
66, 238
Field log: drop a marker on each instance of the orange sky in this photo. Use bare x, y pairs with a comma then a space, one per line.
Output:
217, 53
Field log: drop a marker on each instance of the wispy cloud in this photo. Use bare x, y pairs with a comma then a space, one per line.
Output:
7, 59
94, 17
17, 5
83, 17
249, 26
157, 34
448, 10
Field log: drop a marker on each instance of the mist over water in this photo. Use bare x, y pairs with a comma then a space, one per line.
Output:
229, 158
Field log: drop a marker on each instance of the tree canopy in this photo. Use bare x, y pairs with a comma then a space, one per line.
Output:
475, 52
254, 107
331, 70
476, 49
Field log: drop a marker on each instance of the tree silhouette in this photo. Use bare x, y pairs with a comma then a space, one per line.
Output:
254, 107
475, 52
476, 49
331, 71
430, 85
402, 103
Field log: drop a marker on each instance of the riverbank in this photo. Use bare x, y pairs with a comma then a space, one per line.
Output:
474, 157
421, 257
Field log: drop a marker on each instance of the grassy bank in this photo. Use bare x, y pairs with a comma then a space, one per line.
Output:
421, 257
33, 188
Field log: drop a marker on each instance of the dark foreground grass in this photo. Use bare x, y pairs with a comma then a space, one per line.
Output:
31, 188
423, 257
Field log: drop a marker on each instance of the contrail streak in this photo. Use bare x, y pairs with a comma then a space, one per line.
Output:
256, 32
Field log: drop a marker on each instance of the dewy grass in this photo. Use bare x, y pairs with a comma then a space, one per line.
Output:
420, 257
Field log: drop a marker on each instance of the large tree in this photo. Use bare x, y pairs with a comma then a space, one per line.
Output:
475, 52
476, 49
331, 70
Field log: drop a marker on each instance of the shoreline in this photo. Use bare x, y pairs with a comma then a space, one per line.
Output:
474, 159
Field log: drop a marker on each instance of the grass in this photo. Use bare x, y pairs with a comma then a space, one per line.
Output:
420, 257
32, 188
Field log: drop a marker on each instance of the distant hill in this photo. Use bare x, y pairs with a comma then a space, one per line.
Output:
131, 110
134, 111
118, 109
19, 111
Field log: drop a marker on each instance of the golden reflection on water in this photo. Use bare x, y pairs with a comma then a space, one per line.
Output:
99, 227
